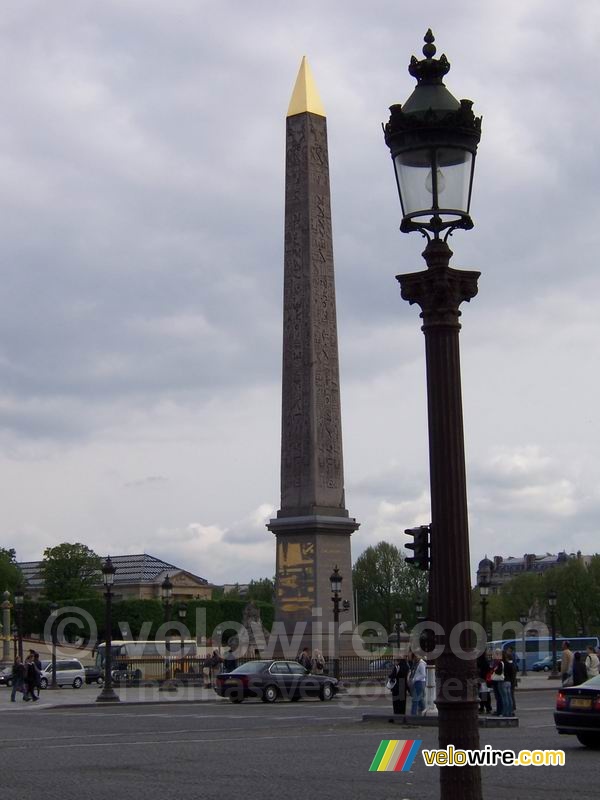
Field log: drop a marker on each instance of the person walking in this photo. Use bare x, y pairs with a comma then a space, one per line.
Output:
511, 673
566, 662
399, 677
579, 670
418, 679
497, 680
229, 661
484, 666
510, 677
317, 662
38, 671
592, 663
305, 659
18, 679
30, 679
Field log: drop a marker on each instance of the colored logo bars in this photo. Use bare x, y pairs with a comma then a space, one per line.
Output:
395, 755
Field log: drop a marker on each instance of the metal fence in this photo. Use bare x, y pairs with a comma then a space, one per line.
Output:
190, 669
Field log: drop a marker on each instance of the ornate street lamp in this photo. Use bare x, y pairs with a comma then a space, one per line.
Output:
182, 614
335, 580
524, 619
433, 140
108, 694
484, 590
398, 625
552, 605
419, 610
18, 597
53, 615
166, 593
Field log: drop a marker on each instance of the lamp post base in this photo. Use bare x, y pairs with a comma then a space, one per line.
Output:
108, 695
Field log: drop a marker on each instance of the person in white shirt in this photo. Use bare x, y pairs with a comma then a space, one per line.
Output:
418, 679
592, 663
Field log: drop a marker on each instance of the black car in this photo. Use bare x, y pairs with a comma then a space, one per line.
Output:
94, 675
578, 712
271, 679
6, 676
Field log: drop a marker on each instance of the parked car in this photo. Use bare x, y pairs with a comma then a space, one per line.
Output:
272, 679
6, 676
69, 672
545, 665
578, 712
381, 664
94, 675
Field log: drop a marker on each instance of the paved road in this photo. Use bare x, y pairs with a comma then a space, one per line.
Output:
286, 750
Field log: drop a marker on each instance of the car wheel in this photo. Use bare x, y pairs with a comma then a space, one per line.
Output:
100, 680
269, 694
77, 683
326, 692
591, 740
44, 683
546, 669
9, 682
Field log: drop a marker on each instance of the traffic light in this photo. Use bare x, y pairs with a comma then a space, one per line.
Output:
419, 546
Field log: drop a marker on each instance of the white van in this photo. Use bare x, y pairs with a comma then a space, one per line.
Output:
69, 672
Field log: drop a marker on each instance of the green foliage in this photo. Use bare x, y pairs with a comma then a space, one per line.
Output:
384, 582
262, 589
10, 574
70, 570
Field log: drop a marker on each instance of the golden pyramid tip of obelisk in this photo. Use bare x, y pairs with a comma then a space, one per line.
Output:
305, 96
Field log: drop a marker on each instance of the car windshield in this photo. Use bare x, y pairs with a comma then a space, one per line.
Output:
251, 666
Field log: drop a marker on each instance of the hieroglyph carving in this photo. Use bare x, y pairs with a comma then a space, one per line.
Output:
312, 463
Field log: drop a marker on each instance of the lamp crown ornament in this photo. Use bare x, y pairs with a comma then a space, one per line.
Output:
429, 70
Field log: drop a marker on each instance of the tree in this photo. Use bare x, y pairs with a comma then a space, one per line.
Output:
10, 574
384, 582
261, 589
70, 572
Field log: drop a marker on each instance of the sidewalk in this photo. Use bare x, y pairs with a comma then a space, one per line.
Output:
135, 695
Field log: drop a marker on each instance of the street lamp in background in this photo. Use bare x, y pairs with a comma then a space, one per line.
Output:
108, 694
419, 610
18, 598
166, 593
523, 619
433, 141
484, 590
335, 580
182, 614
552, 605
53, 614
398, 626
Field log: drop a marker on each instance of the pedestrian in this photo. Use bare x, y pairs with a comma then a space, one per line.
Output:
399, 678
305, 659
30, 679
497, 681
566, 662
229, 661
38, 671
484, 666
510, 678
579, 670
18, 679
511, 672
592, 662
317, 662
417, 681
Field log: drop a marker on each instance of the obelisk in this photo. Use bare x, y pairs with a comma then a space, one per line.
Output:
312, 527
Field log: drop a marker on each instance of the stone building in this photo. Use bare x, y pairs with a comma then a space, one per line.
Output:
138, 577
501, 570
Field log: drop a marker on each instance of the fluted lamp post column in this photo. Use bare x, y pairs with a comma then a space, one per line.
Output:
433, 140
53, 615
398, 626
554, 675
18, 598
108, 694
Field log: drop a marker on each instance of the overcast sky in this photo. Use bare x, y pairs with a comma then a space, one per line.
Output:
142, 148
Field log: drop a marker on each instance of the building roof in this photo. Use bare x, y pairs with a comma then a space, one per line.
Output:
142, 568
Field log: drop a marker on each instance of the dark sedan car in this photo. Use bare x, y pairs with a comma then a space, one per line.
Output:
271, 679
94, 675
6, 676
578, 712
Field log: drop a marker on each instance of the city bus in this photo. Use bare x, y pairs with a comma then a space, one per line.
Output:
148, 659
540, 647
